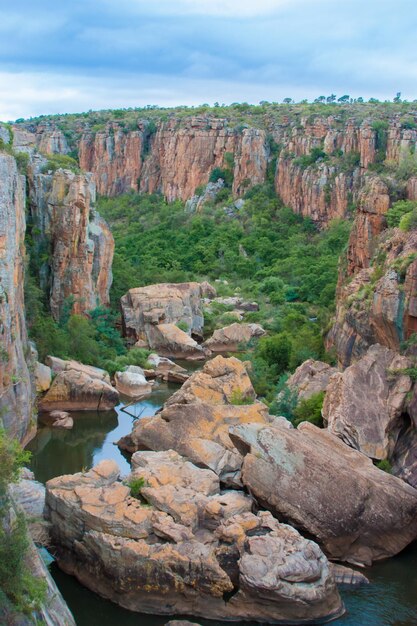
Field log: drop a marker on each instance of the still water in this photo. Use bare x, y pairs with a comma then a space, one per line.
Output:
390, 599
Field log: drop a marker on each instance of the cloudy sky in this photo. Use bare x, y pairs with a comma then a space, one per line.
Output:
75, 55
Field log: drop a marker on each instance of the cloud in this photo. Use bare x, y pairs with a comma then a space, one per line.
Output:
97, 53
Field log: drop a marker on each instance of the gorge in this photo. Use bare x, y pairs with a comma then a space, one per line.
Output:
282, 237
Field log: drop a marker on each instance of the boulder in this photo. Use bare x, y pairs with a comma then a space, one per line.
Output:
144, 308
132, 382
230, 338
173, 342
60, 365
166, 370
196, 551
74, 390
313, 480
195, 420
364, 404
238, 303
310, 377
43, 377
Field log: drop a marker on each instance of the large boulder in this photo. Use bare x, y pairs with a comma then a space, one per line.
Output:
196, 551
74, 390
171, 341
364, 404
165, 303
232, 337
166, 369
310, 377
58, 365
132, 382
195, 420
310, 478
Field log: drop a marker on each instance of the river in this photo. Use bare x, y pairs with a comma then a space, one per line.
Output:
390, 599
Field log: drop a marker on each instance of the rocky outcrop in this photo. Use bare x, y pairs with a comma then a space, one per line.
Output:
150, 316
74, 390
378, 305
233, 337
195, 420
310, 377
364, 404
16, 390
195, 551
166, 369
77, 240
363, 516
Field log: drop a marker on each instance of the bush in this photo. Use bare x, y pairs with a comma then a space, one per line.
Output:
409, 221
237, 398
384, 465
276, 351
60, 161
135, 356
136, 485
398, 210
183, 326
309, 410
20, 591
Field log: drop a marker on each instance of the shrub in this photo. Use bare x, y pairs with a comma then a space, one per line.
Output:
136, 485
237, 398
60, 161
409, 221
183, 326
135, 356
309, 410
276, 351
384, 465
398, 209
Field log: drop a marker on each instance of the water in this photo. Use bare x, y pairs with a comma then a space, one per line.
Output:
390, 599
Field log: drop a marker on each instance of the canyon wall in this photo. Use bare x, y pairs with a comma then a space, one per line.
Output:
72, 242
16, 392
177, 155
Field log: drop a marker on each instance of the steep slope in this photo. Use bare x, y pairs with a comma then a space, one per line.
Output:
16, 392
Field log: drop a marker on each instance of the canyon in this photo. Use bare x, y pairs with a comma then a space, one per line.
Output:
323, 167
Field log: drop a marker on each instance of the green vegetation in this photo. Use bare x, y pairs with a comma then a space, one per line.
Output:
58, 161
309, 410
136, 485
289, 267
398, 211
384, 465
237, 398
20, 591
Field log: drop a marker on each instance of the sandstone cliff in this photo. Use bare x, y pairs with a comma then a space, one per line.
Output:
16, 393
177, 155
75, 240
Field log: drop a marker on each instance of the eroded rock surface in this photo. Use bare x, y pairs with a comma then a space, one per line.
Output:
208, 556
362, 515
310, 377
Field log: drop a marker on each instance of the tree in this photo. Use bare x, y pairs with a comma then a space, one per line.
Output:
287, 100
331, 98
320, 99
343, 99
276, 351
398, 97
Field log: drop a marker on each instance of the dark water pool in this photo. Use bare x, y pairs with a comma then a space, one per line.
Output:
390, 599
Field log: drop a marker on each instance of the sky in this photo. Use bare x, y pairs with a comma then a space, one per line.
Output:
67, 56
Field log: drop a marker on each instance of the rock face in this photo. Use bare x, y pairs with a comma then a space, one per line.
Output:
195, 551
195, 420
363, 516
74, 390
364, 404
16, 390
378, 305
310, 377
78, 240
43, 377
232, 337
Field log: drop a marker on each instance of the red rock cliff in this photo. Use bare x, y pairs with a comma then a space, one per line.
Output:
80, 244
16, 394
